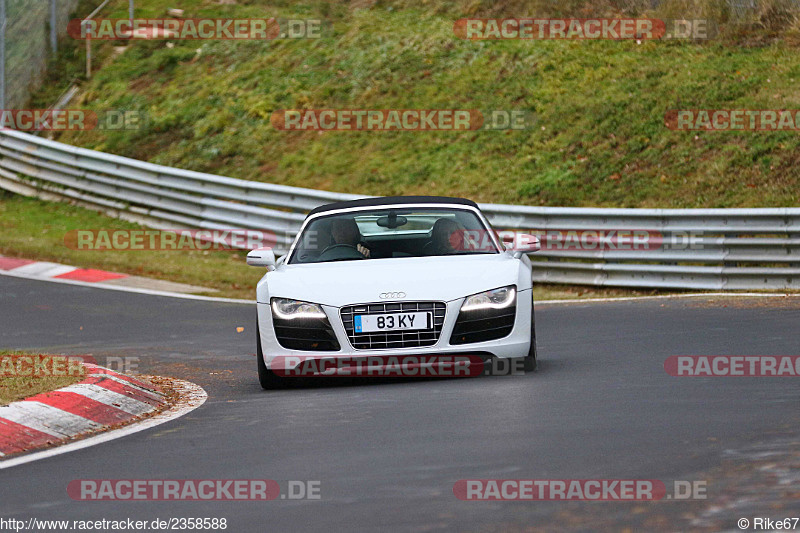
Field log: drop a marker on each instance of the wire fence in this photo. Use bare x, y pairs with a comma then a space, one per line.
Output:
32, 29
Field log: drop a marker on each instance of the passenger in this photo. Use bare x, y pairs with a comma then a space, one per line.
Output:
446, 237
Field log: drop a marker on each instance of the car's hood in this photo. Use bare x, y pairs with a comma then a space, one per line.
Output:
420, 278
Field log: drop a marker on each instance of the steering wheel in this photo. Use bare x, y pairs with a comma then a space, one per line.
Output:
346, 251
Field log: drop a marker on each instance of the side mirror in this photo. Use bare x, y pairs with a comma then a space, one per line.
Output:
524, 244
261, 257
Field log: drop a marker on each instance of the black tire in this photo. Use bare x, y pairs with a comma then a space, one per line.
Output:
531, 359
269, 380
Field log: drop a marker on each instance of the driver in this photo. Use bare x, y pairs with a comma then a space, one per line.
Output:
345, 231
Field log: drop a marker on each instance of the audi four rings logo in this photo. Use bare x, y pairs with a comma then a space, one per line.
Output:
386, 295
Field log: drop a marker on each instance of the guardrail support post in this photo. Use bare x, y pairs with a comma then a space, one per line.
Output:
2, 54
53, 29
89, 39
88, 58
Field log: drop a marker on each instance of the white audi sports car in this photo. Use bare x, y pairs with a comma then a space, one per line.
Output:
395, 276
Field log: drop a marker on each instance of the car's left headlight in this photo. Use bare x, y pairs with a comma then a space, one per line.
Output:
493, 299
287, 309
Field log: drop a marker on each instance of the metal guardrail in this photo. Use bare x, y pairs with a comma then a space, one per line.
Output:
701, 248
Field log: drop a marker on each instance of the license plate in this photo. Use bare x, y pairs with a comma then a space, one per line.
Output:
392, 322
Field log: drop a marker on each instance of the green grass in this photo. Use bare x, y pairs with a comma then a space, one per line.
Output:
15, 387
30, 228
599, 137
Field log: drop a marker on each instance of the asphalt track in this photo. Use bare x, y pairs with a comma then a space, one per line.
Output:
387, 454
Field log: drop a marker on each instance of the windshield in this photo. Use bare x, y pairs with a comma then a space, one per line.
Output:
383, 233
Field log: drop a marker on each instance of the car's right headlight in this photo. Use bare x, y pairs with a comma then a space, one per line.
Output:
486, 316
302, 326
288, 309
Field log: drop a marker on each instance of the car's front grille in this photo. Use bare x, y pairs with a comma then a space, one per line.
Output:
397, 339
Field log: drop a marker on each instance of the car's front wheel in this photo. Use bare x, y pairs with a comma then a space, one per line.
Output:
268, 379
530, 360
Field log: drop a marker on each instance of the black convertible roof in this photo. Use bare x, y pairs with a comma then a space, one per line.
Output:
388, 200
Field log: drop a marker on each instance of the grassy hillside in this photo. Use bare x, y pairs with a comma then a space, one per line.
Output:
599, 137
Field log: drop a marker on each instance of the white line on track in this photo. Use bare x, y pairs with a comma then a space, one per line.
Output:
99, 285
192, 396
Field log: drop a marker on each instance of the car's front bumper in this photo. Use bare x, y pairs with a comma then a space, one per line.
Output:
516, 344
